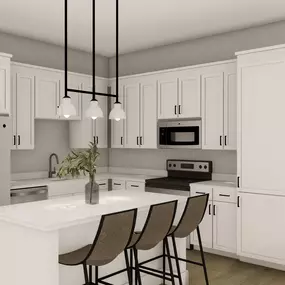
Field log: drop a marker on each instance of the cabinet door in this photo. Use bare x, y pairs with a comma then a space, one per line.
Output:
260, 232
117, 128
206, 229
225, 226
148, 113
132, 109
262, 124
101, 124
189, 100
230, 108
74, 82
168, 96
49, 88
81, 132
23, 95
5, 99
212, 104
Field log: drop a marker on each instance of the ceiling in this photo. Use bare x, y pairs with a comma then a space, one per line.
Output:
143, 23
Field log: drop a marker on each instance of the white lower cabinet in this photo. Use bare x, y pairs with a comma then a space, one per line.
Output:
135, 186
118, 184
218, 228
261, 231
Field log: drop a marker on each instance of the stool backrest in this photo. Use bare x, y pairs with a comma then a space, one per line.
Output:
114, 234
192, 216
159, 222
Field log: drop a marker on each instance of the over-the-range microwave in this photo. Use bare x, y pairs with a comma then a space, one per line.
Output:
180, 133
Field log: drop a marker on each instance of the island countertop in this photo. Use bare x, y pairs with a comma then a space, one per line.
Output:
56, 214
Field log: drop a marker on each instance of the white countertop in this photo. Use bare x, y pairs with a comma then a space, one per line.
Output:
218, 183
61, 213
26, 183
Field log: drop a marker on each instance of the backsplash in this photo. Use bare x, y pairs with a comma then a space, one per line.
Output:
223, 161
50, 136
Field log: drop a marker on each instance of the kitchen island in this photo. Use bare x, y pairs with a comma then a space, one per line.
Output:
32, 236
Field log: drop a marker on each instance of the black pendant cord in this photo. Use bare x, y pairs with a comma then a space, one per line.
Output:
117, 51
65, 49
93, 51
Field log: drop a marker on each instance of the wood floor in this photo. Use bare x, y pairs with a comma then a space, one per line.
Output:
227, 271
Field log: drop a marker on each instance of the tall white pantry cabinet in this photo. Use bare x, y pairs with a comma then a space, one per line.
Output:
261, 154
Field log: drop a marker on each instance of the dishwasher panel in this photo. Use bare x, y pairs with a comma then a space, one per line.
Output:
26, 195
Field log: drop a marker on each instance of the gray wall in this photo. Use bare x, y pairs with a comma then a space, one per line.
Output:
204, 50
223, 161
39, 53
50, 136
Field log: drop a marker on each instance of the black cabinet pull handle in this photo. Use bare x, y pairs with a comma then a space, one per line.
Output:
175, 110
210, 210
14, 140
214, 210
121, 140
102, 184
224, 195
138, 141
94, 139
203, 193
238, 182
238, 201
225, 140
118, 184
135, 186
221, 137
179, 109
19, 140
97, 139
141, 141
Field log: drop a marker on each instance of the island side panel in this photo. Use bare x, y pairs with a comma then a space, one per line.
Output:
28, 256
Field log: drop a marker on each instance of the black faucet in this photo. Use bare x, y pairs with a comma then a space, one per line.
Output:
52, 172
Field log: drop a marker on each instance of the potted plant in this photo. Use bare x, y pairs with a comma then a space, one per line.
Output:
79, 162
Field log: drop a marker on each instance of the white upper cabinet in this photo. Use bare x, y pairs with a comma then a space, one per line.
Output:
261, 119
189, 99
5, 71
167, 95
132, 109
117, 128
219, 106
82, 132
49, 90
148, 112
23, 92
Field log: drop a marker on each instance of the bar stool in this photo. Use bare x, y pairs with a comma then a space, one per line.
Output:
192, 216
157, 226
113, 236
190, 220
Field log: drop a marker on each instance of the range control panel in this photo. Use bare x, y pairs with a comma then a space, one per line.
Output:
189, 165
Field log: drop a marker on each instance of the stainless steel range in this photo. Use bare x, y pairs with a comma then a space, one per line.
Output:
181, 173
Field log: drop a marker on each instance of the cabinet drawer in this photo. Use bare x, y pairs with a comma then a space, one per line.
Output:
200, 190
118, 184
103, 184
137, 186
225, 194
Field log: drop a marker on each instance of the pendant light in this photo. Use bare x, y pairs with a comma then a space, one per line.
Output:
94, 111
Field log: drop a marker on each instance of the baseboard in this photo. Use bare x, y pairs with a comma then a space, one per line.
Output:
262, 263
217, 252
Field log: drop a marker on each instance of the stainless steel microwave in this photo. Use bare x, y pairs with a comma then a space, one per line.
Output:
180, 134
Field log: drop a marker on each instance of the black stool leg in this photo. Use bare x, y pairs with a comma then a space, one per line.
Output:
169, 261
85, 273
90, 274
96, 275
138, 275
202, 256
176, 259
129, 269
163, 260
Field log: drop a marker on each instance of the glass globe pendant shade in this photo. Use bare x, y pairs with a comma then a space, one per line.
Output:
94, 111
66, 108
117, 112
